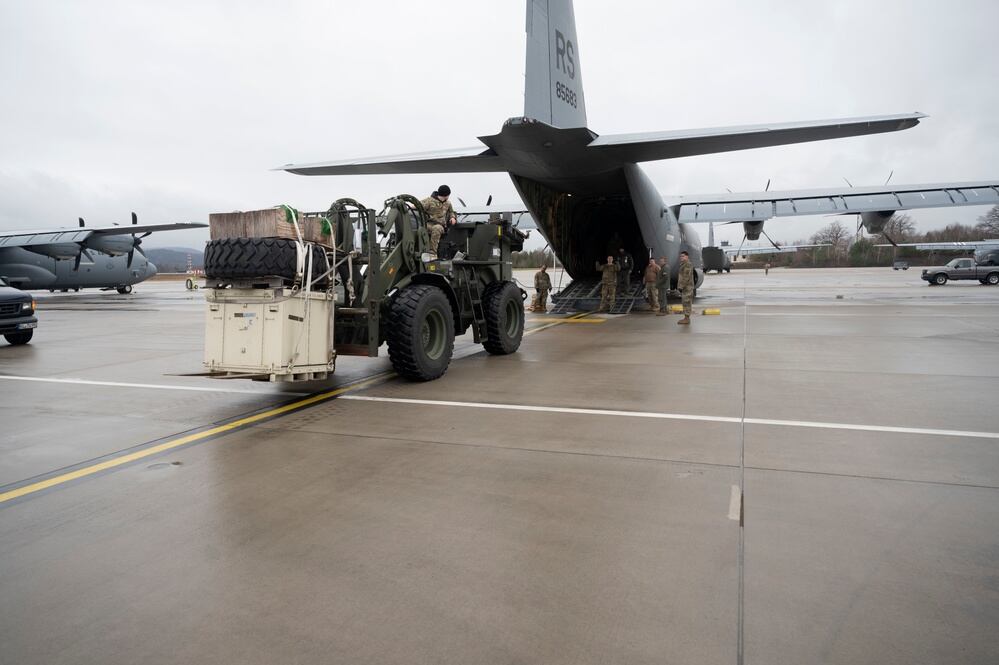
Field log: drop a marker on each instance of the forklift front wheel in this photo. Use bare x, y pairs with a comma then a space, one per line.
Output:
421, 333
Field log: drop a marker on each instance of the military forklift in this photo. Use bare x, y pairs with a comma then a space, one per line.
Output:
284, 309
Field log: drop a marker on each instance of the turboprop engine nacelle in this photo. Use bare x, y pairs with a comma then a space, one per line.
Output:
874, 222
58, 251
752, 230
110, 245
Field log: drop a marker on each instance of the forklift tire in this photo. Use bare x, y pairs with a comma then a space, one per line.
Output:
251, 258
504, 309
420, 333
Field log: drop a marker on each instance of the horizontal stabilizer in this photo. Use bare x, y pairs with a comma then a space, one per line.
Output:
460, 160
685, 143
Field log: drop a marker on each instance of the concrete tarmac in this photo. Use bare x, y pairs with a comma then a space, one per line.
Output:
804, 478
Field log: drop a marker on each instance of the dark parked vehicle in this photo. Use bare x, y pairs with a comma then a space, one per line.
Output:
962, 269
17, 314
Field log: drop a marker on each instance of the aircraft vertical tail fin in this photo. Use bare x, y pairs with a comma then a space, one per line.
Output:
554, 85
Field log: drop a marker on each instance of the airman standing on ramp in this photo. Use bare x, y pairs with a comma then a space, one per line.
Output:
685, 284
662, 285
608, 284
542, 285
650, 277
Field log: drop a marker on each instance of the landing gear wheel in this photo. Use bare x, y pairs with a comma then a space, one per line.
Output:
125, 290
16, 339
940, 279
992, 279
504, 309
421, 333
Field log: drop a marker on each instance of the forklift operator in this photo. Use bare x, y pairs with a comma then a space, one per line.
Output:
440, 214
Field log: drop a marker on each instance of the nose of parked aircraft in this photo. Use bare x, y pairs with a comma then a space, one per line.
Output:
150, 269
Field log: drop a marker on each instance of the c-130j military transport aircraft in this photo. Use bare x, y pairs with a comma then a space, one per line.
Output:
87, 257
586, 192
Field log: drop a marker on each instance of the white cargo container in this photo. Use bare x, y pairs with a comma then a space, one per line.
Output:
276, 334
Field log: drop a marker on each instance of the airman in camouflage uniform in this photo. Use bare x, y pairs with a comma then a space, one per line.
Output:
649, 277
542, 285
608, 284
626, 264
662, 285
440, 214
685, 285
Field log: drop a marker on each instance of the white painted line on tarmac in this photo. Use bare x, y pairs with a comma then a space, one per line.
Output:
680, 416
874, 428
544, 409
152, 386
734, 503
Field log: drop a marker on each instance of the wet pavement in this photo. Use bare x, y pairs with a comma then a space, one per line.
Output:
812, 476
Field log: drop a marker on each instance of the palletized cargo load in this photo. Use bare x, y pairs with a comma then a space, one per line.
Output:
269, 334
276, 222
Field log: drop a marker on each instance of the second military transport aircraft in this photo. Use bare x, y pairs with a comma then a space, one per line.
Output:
587, 194
81, 258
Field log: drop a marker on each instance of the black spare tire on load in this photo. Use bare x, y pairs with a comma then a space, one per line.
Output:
253, 258
504, 310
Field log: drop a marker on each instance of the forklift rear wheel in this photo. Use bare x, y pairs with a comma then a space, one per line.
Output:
421, 333
504, 318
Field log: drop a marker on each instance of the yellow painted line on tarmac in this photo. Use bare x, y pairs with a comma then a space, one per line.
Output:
190, 438
555, 322
128, 458
570, 320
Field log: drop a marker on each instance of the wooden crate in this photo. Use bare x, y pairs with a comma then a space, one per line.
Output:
269, 223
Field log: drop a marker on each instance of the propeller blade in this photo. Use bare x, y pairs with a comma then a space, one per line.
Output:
768, 186
76, 261
462, 203
139, 250
135, 218
81, 222
489, 200
146, 234
131, 253
888, 238
889, 176
848, 182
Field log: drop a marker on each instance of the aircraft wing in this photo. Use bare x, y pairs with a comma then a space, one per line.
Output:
20, 238
969, 245
669, 145
783, 249
460, 160
760, 206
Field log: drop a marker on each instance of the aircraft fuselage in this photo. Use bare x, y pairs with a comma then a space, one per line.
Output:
30, 270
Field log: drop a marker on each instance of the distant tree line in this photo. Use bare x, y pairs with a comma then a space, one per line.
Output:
534, 258
848, 247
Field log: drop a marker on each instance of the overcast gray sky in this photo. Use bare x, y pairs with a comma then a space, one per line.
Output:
178, 109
